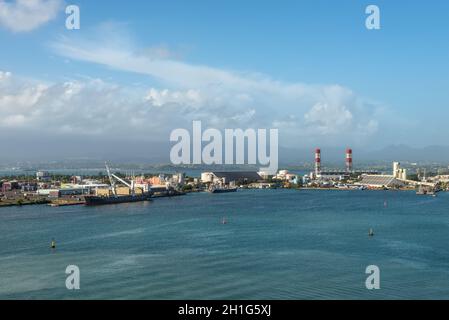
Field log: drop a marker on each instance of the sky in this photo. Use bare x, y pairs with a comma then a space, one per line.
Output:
137, 70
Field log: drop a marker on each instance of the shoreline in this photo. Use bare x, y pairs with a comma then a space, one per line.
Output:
35, 203
63, 203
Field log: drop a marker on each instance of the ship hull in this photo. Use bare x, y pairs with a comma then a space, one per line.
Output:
99, 201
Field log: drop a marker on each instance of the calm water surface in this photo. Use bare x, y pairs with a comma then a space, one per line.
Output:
278, 244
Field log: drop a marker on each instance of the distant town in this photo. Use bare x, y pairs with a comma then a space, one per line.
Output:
43, 187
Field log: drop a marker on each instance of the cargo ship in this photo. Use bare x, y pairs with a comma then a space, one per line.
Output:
98, 201
113, 197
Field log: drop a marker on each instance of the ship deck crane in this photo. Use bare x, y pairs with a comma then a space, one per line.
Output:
112, 176
111, 180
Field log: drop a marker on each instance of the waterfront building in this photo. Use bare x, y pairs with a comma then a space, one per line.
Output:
380, 181
398, 172
285, 175
63, 192
396, 180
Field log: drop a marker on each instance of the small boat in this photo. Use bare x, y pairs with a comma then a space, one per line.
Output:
426, 191
224, 221
216, 189
371, 233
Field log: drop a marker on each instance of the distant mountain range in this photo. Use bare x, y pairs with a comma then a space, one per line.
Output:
158, 153
333, 155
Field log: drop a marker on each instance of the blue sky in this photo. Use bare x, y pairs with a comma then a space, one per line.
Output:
309, 67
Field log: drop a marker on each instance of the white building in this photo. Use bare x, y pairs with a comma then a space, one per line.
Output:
207, 177
398, 172
285, 175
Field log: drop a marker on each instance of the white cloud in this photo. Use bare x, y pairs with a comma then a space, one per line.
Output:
304, 114
97, 108
161, 97
91, 107
27, 15
329, 119
227, 98
4, 75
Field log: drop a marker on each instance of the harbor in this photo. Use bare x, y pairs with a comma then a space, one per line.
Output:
114, 187
292, 235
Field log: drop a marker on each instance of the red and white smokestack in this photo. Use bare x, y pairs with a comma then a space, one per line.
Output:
348, 160
317, 162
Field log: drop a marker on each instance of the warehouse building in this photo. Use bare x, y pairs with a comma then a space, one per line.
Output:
380, 181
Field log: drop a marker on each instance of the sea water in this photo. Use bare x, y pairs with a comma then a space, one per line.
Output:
276, 244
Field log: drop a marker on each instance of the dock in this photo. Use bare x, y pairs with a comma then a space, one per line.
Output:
66, 203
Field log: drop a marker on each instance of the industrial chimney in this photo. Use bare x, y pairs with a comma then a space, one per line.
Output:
348, 160
317, 162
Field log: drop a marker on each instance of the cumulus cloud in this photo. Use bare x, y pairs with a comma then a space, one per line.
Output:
27, 15
93, 107
160, 98
305, 114
329, 118
4, 75
229, 99
96, 108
